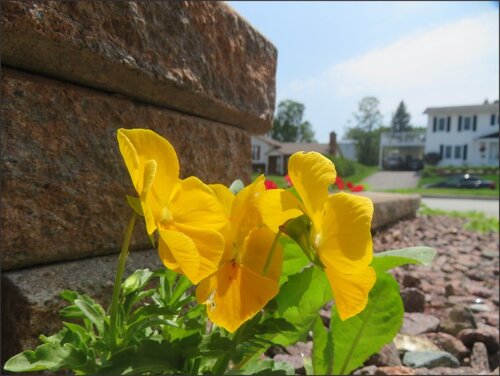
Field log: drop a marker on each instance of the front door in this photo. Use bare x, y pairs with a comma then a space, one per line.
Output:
273, 165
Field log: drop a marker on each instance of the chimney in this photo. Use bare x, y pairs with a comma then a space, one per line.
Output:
333, 143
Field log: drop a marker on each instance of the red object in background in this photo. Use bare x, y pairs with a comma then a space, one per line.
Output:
357, 188
270, 184
288, 181
340, 183
349, 185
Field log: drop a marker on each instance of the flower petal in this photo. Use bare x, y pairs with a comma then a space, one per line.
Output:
311, 174
225, 196
234, 295
350, 290
196, 252
346, 240
278, 206
195, 204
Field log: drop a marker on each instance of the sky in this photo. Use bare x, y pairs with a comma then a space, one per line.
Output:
332, 54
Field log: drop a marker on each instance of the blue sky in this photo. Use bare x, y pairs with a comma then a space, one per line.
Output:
332, 54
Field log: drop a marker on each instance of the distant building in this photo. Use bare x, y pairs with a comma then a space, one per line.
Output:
408, 145
271, 157
464, 135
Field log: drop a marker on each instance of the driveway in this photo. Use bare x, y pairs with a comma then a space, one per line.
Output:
392, 180
488, 207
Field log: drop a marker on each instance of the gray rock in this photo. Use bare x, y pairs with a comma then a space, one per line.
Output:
406, 342
479, 357
449, 343
457, 319
417, 323
430, 359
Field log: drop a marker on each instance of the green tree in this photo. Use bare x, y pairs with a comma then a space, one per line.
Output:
367, 130
400, 121
288, 125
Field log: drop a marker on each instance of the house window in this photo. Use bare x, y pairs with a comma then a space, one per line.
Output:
492, 119
467, 122
458, 153
447, 152
255, 152
442, 124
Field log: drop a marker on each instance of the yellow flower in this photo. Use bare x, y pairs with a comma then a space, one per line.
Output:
340, 228
186, 212
248, 276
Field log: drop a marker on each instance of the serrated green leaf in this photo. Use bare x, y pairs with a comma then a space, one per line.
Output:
414, 255
355, 339
322, 352
299, 302
136, 281
92, 313
49, 356
69, 295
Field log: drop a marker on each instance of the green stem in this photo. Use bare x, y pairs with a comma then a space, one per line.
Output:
122, 260
271, 253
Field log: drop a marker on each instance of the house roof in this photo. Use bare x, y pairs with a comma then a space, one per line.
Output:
269, 140
486, 107
288, 148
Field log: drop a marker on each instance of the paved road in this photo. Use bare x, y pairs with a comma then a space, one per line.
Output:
392, 180
489, 207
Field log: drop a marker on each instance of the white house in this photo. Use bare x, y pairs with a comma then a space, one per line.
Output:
408, 145
464, 135
271, 157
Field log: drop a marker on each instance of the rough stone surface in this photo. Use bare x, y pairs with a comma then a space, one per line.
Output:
406, 342
387, 356
449, 343
430, 359
418, 323
485, 334
30, 297
413, 299
200, 58
479, 357
63, 179
391, 207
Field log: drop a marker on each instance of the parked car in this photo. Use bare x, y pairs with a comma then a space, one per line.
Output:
463, 181
393, 162
416, 164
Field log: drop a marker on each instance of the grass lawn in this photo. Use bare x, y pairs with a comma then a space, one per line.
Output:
483, 192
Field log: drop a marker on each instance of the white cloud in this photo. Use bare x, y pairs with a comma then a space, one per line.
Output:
453, 64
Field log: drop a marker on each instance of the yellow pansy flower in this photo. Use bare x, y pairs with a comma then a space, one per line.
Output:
340, 228
186, 213
248, 276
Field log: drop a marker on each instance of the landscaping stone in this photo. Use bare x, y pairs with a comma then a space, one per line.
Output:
449, 343
485, 334
430, 359
479, 357
413, 299
64, 182
417, 323
458, 318
199, 58
405, 342
387, 356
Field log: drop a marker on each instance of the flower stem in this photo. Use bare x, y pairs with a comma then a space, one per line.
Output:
271, 253
122, 260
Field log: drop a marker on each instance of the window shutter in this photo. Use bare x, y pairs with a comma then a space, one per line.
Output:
474, 123
492, 119
448, 124
460, 123
465, 152
434, 126
441, 149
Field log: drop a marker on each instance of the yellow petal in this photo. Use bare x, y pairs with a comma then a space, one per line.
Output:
311, 174
194, 204
244, 214
153, 167
167, 257
256, 252
234, 295
346, 240
278, 206
195, 252
350, 291
225, 196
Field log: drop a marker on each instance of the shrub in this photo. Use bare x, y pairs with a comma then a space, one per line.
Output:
344, 167
432, 158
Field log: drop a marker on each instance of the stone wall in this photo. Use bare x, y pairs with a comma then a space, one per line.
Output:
72, 74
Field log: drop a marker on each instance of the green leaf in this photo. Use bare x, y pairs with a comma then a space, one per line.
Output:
136, 281
355, 339
135, 204
294, 260
299, 302
92, 313
49, 356
236, 186
322, 353
257, 366
397, 257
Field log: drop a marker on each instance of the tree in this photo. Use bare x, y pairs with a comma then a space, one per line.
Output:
288, 125
400, 121
366, 131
